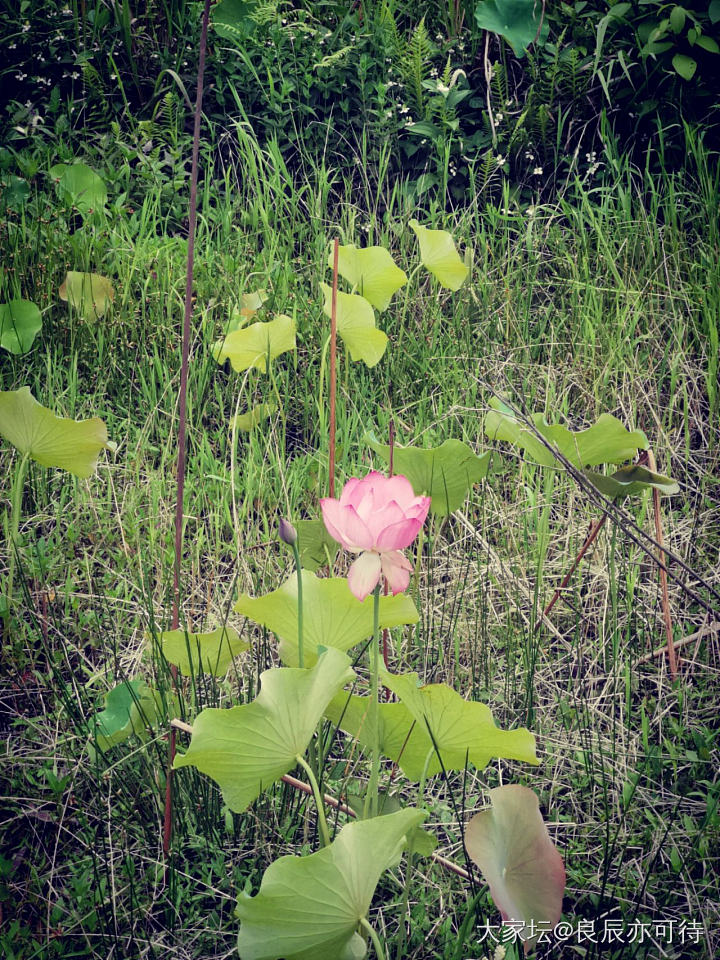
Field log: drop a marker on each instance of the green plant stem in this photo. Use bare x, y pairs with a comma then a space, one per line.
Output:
12, 533
377, 945
371, 798
298, 571
322, 819
466, 924
400, 951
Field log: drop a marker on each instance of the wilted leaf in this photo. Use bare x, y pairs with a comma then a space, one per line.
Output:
72, 445
253, 418
130, 707
202, 652
317, 547
246, 748
79, 185
372, 271
251, 346
631, 480
515, 20
20, 322
309, 908
356, 326
88, 293
511, 846
438, 253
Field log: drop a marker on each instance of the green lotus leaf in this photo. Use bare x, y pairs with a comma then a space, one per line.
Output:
372, 271
72, 445
515, 20
422, 843
630, 481
606, 441
253, 418
203, 652
309, 908
88, 293
511, 846
356, 326
317, 547
332, 616
462, 729
246, 748
251, 346
20, 323
79, 185
233, 19
130, 707
438, 254
446, 473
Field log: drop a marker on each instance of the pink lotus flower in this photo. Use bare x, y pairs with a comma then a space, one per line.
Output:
377, 517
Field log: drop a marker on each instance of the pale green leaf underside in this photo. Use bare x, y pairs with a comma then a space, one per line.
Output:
251, 346
72, 445
308, 908
130, 707
89, 293
356, 326
463, 730
247, 748
445, 473
196, 653
317, 547
372, 271
438, 254
606, 441
253, 418
20, 323
332, 616
630, 481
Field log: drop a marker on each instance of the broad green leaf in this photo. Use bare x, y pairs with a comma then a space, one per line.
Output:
233, 19
79, 185
463, 730
356, 326
246, 748
250, 303
202, 652
677, 19
438, 254
253, 418
420, 841
251, 346
72, 445
20, 322
309, 908
15, 192
88, 293
515, 20
332, 616
511, 846
372, 271
714, 11
317, 547
684, 66
130, 707
446, 473
606, 441
630, 481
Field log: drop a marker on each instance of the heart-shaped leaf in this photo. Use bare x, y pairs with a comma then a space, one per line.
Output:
317, 547
79, 185
356, 326
461, 729
606, 441
511, 846
253, 418
252, 346
197, 653
630, 481
246, 748
446, 473
72, 445
438, 254
372, 271
130, 707
515, 20
332, 616
309, 908
20, 322
88, 293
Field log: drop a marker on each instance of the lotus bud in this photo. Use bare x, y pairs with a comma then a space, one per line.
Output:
287, 532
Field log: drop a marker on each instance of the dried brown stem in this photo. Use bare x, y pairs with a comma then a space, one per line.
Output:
589, 540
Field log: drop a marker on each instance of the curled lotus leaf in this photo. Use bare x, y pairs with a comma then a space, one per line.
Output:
80, 185
211, 652
356, 326
20, 323
253, 418
371, 271
253, 345
130, 708
630, 481
89, 293
439, 255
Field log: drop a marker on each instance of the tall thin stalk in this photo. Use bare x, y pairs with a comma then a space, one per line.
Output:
371, 798
333, 365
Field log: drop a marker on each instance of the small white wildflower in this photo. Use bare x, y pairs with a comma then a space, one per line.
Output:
538, 172
20, 75
500, 160
498, 118
25, 27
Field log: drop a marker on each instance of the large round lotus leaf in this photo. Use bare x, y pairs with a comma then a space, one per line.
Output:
606, 441
72, 445
446, 473
515, 20
246, 748
130, 707
88, 293
20, 322
356, 326
203, 652
79, 185
332, 616
630, 481
372, 271
252, 346
438, 254
309, 908
511, 846
462, 730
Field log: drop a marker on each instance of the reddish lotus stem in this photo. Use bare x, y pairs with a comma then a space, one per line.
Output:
589, 540
182, 411
333, 364
664, 593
